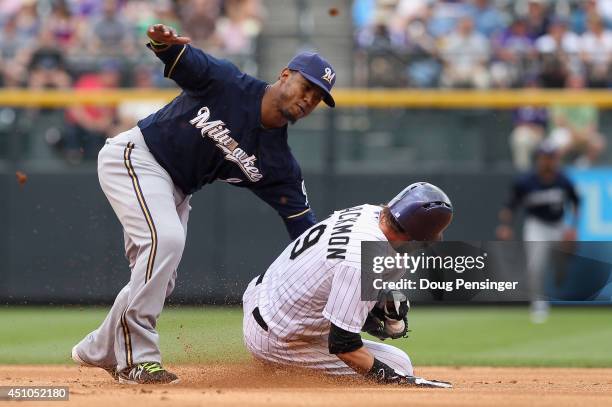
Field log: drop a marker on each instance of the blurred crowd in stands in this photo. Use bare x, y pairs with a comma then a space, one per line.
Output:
96, 44
486, 44
483, 43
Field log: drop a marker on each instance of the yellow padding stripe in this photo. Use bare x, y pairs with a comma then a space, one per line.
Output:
345, 98
298, 214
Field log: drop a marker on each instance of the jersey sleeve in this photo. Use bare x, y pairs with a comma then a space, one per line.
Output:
291, 202
192, 69
344, 307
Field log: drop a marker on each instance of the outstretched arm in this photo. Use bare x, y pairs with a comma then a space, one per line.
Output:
162, 37
191, 68
291, 203
348, 346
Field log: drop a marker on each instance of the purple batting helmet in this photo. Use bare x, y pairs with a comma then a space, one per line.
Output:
422, 210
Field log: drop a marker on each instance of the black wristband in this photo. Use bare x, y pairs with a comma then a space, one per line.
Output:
382, 373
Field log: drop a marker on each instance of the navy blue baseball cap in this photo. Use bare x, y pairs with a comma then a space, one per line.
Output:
318, 71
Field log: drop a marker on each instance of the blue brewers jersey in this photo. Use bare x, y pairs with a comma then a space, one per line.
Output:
212, 131
545, 202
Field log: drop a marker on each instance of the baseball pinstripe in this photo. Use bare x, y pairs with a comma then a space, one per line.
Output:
315, 281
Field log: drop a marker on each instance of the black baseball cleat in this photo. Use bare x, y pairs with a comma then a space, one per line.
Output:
147, 373
111, 370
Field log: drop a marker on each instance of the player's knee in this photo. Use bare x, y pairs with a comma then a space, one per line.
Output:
402, 362
406, 364
171, 241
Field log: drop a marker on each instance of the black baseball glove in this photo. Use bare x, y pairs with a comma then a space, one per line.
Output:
389, 317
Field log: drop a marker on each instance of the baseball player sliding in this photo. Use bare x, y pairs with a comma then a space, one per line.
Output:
306, 309
225, 125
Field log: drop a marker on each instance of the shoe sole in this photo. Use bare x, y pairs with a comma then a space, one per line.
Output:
133, 383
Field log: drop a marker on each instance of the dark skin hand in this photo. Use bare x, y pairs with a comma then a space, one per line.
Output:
289, 99
166, 35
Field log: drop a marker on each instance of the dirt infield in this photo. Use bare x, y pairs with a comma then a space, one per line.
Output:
251, 384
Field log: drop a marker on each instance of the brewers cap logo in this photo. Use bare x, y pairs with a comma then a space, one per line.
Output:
329, 75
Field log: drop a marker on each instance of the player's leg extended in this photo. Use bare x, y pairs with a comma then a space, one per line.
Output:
268, 348
391, 356
143, 197
98, 347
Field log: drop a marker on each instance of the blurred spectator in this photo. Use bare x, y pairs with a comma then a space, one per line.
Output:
199, 19
596, 53
87, 8
89, 125
537, 18
378, 34
8, 8
581, 14
64, 27
465, 53
410, 10
47, 65
130, 111
241, 24
111, 34
141, 14
443, 15
27, 21
488, 19
576, 128
530, 124
13, 57
558, 51
382, 39
514, 54
424, 66
604, 9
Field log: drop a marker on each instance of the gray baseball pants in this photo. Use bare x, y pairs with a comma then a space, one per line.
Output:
154, 214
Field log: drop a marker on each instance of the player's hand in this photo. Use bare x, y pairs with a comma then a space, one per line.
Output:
395, 377
504, 232
166, 35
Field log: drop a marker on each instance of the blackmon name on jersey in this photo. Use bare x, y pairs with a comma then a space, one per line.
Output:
317, 278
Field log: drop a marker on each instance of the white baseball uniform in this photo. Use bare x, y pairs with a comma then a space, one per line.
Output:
314, 282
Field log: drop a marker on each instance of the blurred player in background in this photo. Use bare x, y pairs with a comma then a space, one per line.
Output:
544, 193
306, 310
225, 125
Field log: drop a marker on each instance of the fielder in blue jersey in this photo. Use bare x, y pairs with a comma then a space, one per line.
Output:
545, 193
225, 125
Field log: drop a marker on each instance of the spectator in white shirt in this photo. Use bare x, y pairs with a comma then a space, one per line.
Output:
596, 53
465, 54
558, 50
